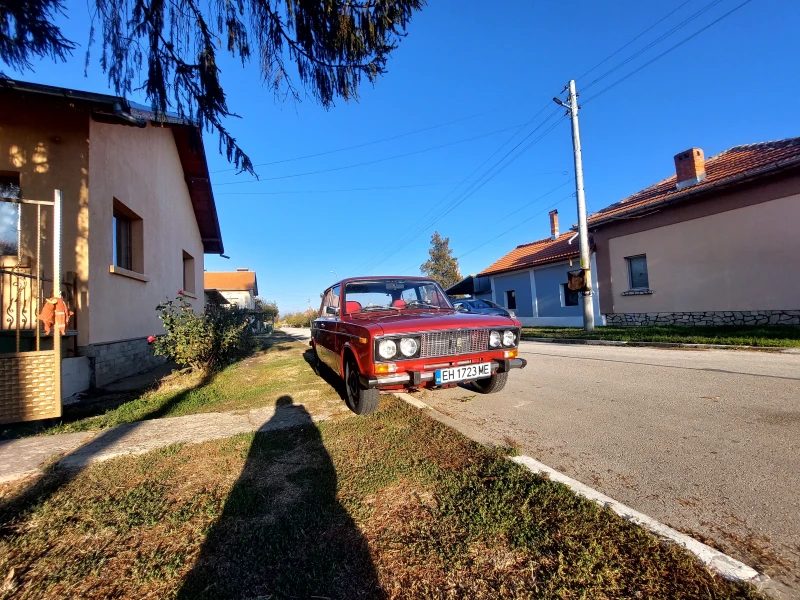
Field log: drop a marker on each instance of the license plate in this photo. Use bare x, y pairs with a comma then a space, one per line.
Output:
477, 371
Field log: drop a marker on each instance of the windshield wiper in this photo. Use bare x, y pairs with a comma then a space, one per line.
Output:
377, 308
415, 303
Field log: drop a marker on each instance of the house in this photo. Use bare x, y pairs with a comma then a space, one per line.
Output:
531, 280
712, 244
239, 288
137, 214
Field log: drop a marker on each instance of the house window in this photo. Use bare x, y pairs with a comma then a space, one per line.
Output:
188, 273
9, 213
571, 297
511, 299
637, 272
127, 242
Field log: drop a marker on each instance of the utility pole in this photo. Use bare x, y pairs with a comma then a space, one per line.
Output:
583, 230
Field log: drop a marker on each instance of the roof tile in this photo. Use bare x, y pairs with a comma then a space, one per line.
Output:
230, 281
536, 253
732, 163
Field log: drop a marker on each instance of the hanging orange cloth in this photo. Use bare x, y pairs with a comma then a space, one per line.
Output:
55, 312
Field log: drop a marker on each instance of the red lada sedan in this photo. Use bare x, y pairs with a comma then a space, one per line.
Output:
395, 333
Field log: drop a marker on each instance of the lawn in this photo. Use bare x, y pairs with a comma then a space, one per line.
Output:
279, 365
395, 505
763, 337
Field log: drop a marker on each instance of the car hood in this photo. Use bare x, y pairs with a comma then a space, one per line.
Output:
490, 311
426, 321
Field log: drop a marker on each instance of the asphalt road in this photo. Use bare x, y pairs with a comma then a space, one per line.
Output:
705, 441
302, 334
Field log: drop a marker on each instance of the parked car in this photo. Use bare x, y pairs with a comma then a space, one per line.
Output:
395, 333
482, 307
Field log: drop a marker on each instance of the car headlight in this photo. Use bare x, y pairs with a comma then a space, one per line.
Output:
509, 338
387, 349
494, 339
409, 346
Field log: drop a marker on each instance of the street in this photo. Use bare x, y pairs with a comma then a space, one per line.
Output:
705, 441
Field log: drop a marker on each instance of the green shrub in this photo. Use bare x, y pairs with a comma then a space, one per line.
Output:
298, 319
203, 342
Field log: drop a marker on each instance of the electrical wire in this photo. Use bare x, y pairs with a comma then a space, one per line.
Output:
651, 61
365, 144
621, 48
659, 39
372, 162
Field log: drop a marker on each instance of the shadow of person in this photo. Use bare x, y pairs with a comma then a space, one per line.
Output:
282, 532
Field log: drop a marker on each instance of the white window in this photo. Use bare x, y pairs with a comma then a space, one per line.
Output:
9, 213
637, 272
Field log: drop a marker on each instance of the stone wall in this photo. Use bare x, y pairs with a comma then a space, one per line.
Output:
736, 317
114, 360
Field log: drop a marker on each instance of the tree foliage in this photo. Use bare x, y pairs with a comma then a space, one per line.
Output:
442, 265
329, 45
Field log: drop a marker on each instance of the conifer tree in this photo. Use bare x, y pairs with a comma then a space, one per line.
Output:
442, 265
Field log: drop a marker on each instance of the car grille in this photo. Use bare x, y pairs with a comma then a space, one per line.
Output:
450, 343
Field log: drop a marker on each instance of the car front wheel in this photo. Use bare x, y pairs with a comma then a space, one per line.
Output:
360, 400
492, 384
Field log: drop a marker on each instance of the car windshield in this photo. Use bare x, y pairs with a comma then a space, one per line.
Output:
393, 294
490, 304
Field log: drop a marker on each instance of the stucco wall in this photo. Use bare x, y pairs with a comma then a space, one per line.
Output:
242, 299
548, 291
730, 261
521, 284
47, 144
141, 169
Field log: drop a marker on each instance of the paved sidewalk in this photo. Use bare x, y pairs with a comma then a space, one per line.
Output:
25, 457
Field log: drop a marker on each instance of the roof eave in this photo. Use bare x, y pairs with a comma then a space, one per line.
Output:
734, 180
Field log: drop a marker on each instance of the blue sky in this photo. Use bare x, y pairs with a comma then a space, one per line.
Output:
490, 71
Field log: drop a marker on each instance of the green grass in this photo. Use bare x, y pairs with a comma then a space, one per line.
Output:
762, 337
395, 505
257, 381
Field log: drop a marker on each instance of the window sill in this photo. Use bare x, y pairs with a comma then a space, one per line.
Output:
126, 273
189, 295
637, 293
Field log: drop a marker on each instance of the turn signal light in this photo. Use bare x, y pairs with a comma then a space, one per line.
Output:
510, 354
385, 368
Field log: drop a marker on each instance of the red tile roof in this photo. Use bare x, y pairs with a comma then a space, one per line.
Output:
736, 164
536, 253
231, 281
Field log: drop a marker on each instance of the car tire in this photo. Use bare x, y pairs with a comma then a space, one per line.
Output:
492, 384
360, 400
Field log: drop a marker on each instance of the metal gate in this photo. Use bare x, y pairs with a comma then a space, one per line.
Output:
30, 378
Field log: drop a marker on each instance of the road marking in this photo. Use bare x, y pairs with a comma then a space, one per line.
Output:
728, 567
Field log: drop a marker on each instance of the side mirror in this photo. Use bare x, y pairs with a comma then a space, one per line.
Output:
460, 308
331, 310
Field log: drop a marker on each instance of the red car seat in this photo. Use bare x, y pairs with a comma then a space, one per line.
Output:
399, 303
352, 307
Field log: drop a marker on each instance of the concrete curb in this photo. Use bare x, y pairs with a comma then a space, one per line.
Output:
775, 349
725, 565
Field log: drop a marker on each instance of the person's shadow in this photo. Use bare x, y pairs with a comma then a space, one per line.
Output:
282, 532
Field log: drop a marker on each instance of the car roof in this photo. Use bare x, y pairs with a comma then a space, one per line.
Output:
380, 277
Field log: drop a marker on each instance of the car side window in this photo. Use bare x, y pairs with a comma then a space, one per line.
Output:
335, 292
326, 299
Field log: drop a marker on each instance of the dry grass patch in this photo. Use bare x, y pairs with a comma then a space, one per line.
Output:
395, 505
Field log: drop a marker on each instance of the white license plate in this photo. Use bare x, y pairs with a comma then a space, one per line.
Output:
477, 371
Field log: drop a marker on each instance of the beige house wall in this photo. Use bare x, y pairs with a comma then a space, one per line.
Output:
142, 170
737, 260
241, 298
48, 146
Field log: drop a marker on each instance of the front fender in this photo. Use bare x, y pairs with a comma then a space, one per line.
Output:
357, 354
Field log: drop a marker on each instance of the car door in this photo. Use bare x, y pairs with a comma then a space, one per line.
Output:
326, 336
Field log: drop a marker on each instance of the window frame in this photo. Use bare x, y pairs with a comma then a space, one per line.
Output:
511, 295
14, 186
629, 266
189, 279
567, 293
134, 267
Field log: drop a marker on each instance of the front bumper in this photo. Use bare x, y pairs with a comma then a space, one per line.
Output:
414, 378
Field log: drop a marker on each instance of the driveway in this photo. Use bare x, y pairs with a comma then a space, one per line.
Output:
705, 441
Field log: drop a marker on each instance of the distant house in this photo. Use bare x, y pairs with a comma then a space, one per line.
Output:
531, 280
239, 287
137, 216
714, 243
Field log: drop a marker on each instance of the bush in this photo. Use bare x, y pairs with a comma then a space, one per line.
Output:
298, 319
203, 342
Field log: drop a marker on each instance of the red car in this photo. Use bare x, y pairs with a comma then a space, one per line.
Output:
394, 333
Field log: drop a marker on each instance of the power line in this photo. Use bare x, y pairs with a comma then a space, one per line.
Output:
388, 139
681, 43
378, 188
372, 162
659, 39
621, 48
380, 258
473, 188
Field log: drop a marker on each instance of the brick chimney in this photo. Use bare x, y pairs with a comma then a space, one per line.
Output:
690, 167
553, 224
242, 269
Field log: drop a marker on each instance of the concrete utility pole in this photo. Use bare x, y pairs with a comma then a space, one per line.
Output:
583, 231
